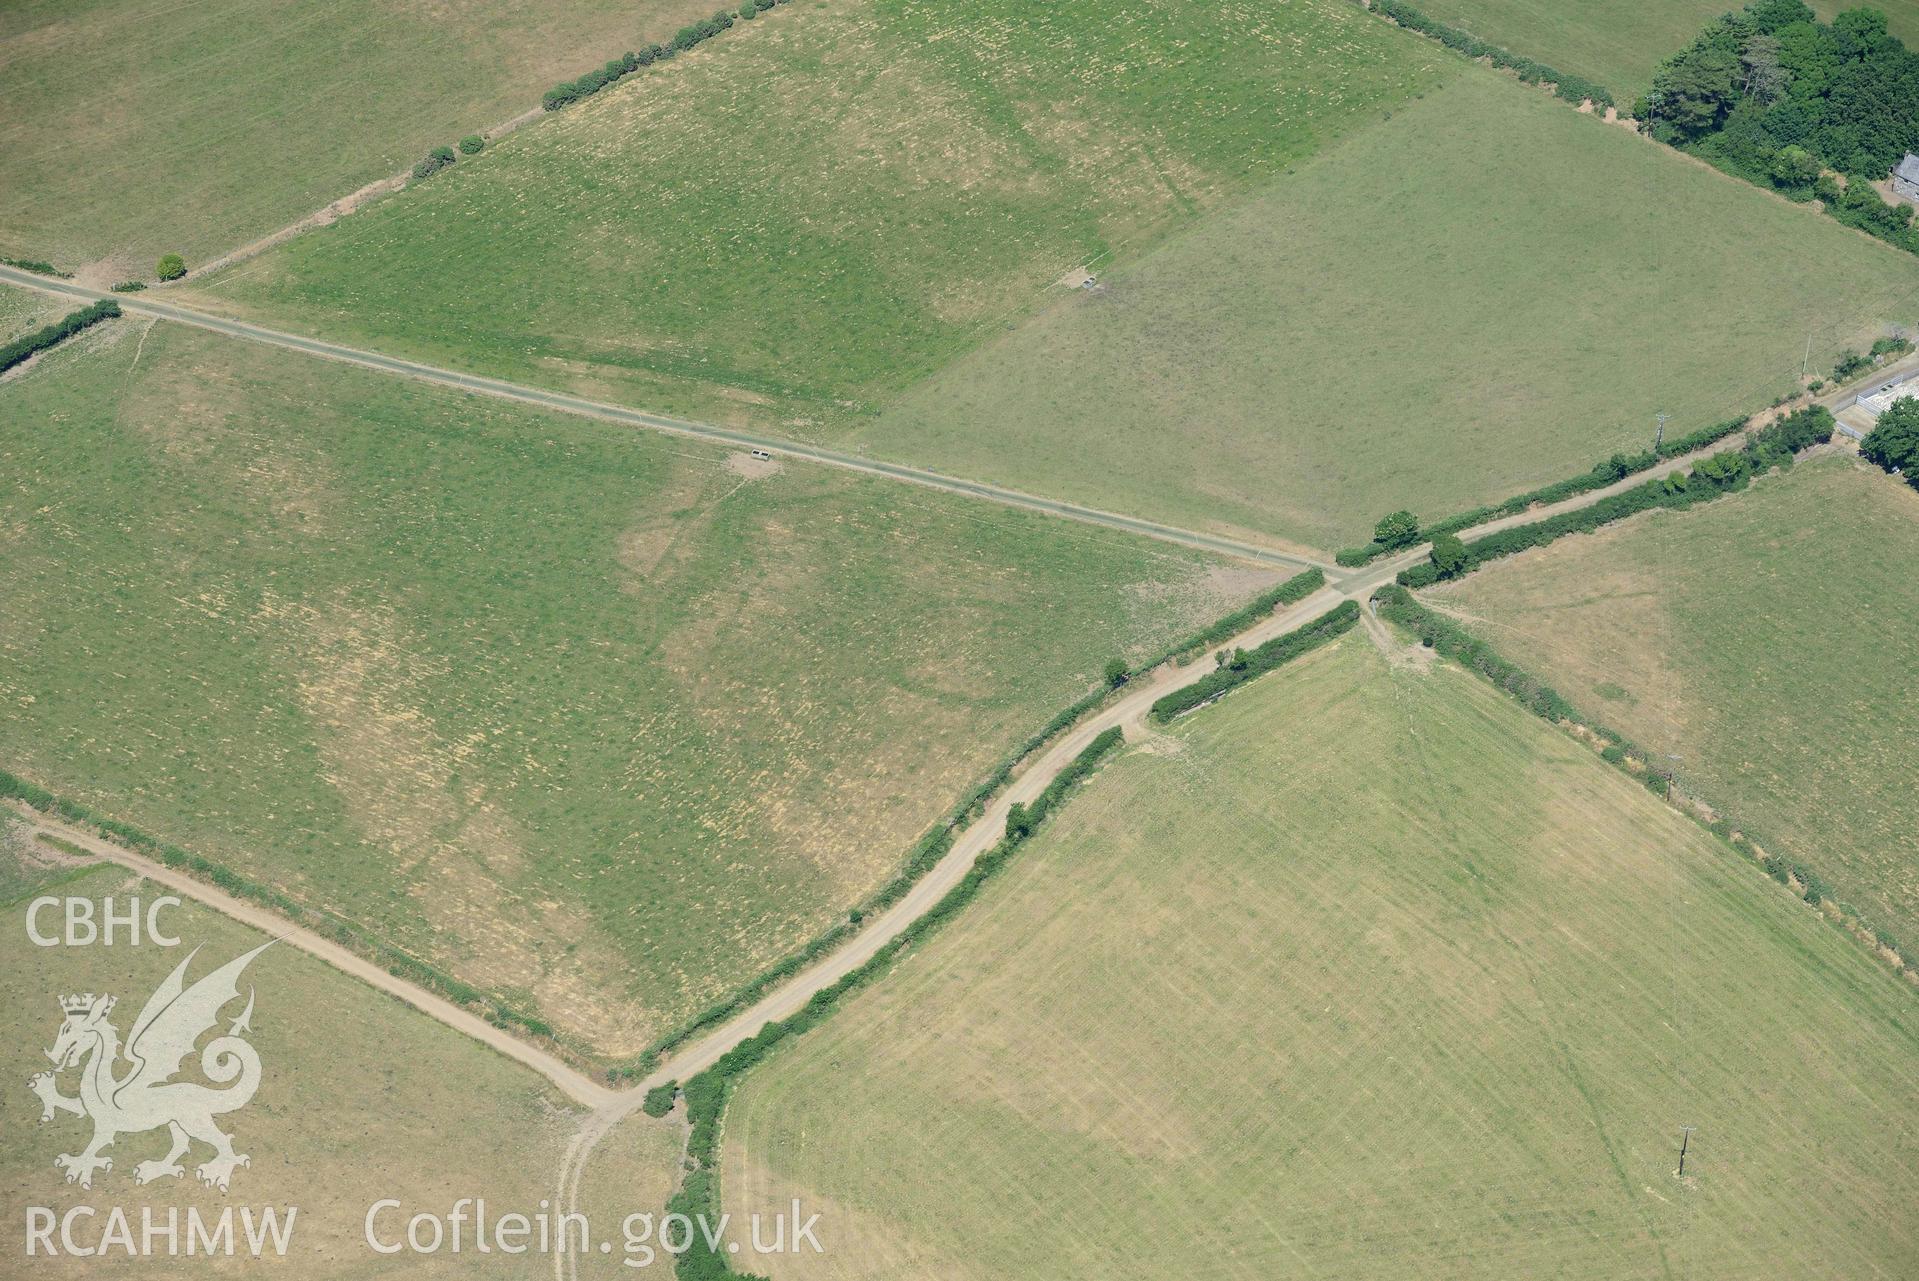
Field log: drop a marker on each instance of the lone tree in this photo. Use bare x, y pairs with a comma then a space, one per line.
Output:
1401, 529
1116, 672
1450, 556
171, 267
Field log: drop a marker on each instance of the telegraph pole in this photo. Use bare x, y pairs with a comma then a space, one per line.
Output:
1685, 1140
1660, 437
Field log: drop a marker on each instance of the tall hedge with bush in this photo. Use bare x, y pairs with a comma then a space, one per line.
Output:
29, 345
1770, 447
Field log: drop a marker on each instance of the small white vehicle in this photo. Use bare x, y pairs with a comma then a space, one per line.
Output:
762, 455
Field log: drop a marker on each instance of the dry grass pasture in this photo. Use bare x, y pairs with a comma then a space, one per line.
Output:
1485, 293
581, 715
361, 1099
1362, 972
824, 204
1764, 641
133, 128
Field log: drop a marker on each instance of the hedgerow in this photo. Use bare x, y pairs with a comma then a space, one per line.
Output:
58, 332
1242, 665
1770, 447
1602, 474
707, 1094
694, 33
1574, 89
38, 268
1291, 592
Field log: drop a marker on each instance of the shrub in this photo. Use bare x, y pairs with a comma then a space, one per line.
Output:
473, 144
129, 286
749, 10
660, 1099
171, 267
1851, 365
1396, 530
1116, 672
434, 161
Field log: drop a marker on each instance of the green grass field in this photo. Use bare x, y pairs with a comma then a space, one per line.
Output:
1485, 293
827, 203
599, 721
1363, 972
1620, 42
360, 1098
1763, 641
132, 128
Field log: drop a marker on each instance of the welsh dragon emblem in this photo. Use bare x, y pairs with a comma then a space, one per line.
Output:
145, 1096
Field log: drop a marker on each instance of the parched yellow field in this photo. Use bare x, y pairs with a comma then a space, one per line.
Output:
1361, 972
599, 722
360, 1100
1766, 644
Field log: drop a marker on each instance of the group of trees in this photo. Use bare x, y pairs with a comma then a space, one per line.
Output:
1770, 447
59, 331
1779, 98
1574, 89
685, 38
1893, 442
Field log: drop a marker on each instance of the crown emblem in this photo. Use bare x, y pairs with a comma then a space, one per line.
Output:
82, 1004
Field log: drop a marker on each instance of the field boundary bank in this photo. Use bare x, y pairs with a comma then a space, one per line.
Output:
1448, 638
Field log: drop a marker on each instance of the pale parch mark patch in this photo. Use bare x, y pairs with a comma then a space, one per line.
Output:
464, 860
